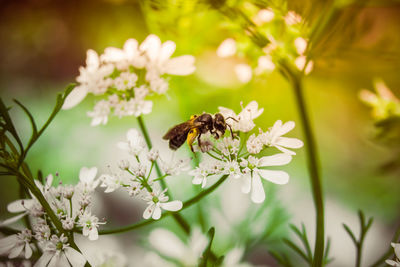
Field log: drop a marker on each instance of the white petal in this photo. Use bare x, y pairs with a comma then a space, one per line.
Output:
7, 243
276, 177
17, 206
156, 213
172, 205
13, 219
167, 49
275, 160
286, 127
148, 211
246, 185
93, 234
252, 108
151, 45
167, 244
59, 260
75, 97
257, 190
28, 251
285, 151
183, 65
87, 174
130, 47
92, 60
44, 259
397, 249
289, 142
16, 251
392, 263
74, 257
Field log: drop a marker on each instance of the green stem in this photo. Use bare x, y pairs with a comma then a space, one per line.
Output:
186, 204
389, 252
178, 217
313, 168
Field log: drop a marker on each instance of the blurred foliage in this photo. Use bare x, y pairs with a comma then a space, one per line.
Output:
44, 43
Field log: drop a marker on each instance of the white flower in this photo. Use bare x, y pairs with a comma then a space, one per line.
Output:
90, 223
21, 206
153, 154
100, 113
201, 172
111, 182
264, 16
91, 79
134, 189
135, 142
254, 144
175, 167
227, 48
252, 181
228, 146
244, 120
243, 72
123, 58
68, 223
397, 252
15, 245
158, 85
159, 61
87, 178
170, 246
125, 81
57, 252
274, 138
156, 201
232, 169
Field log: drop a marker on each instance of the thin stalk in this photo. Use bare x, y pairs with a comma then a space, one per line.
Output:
186, 204
313, 168
178, 217
389, 252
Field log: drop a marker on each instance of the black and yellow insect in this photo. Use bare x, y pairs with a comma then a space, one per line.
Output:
194, 128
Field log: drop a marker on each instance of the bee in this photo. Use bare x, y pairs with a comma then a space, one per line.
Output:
194, 128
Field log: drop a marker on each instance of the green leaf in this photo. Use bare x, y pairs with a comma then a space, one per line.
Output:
303, 237
207, 251
350, 234
59, 103
296, 249
31, 119
8, 124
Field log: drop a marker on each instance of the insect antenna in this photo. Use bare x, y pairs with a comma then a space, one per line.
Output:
232, 119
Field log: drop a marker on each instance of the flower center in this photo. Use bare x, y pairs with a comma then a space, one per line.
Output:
155, 199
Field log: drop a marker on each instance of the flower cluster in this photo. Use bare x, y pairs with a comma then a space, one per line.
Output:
137, 177
290, 46
228, 157
72, 206
124, 78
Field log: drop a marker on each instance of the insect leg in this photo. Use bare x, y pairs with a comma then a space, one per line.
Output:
193, 133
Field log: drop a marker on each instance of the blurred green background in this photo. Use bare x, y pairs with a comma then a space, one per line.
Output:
44, 43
